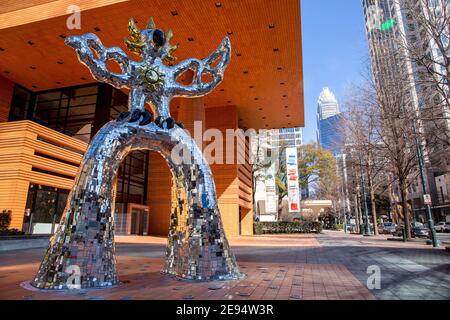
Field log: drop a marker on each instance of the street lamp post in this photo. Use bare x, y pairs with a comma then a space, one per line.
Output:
364, 195
424, 187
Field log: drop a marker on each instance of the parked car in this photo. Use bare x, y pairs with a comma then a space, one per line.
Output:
440, 227
443, 227
388, 228
418, 230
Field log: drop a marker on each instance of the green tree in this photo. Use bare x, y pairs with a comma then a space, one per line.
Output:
314, 164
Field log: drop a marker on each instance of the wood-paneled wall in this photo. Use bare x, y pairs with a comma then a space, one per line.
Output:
233, 181
24, 150
159, 195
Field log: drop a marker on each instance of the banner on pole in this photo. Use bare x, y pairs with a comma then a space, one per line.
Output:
292, 180
271, 196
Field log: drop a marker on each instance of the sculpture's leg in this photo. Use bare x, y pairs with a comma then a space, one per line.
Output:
83, 246
198, 248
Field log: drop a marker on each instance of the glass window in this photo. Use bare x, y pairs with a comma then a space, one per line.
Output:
132, 179
46, 203
119, 103
20, 103
70, 111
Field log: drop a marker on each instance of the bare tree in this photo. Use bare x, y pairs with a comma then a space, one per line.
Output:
426, 44
397, 132
361, 119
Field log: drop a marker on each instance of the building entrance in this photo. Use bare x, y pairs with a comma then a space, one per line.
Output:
138, 215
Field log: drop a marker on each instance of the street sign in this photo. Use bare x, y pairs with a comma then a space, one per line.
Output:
427, 199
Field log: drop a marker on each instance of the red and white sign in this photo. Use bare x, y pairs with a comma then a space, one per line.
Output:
292, 180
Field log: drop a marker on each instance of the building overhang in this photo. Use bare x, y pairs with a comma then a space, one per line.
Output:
264, 80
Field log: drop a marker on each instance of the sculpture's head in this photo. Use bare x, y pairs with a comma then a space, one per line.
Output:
150, 42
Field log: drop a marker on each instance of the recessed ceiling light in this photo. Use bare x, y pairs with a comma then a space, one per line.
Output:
218, 5
174, 13
190, 39
97, 29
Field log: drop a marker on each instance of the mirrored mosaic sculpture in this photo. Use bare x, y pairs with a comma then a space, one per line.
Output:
81, 254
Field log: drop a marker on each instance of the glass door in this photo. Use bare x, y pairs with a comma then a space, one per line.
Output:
139, 219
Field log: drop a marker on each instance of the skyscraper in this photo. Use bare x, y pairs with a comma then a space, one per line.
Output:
391, 28
328, 122
328, 105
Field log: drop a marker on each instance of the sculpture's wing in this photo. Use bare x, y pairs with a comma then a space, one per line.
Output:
210, 65
95, 56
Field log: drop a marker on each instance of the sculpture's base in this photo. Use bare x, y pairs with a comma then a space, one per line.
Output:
234, 277
28, 286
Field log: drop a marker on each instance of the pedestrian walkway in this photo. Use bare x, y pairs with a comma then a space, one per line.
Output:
281, 267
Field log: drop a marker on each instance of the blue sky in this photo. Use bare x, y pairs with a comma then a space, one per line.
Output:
334, 51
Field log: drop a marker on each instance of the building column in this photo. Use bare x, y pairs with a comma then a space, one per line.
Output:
191, 110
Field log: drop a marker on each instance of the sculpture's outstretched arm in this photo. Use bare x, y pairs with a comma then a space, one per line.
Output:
84, 46
202, 67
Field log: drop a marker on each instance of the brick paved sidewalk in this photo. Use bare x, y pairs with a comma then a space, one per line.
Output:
284, 267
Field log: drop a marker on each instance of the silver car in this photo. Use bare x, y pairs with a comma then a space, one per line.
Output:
388, 228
